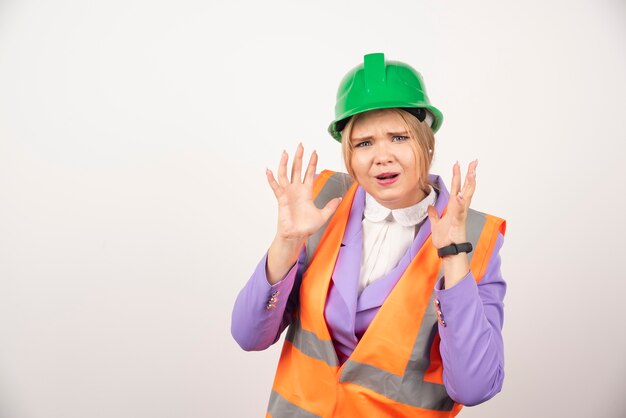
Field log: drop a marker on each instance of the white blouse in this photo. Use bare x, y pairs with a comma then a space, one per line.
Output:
387, 234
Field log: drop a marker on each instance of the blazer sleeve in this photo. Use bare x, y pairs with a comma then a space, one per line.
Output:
470, 327
262, 311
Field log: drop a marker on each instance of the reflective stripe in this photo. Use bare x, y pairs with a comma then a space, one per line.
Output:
409, 389
308, 343
280, 407
336, 186
475, 223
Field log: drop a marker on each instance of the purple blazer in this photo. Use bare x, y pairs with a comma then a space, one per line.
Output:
471, 342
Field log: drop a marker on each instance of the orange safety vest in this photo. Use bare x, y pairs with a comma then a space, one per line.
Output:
396, 368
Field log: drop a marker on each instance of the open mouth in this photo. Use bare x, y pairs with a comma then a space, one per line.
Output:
387, 176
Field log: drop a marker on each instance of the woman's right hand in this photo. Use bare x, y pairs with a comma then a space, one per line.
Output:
298, 217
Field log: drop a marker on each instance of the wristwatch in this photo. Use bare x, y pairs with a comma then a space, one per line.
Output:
454, 249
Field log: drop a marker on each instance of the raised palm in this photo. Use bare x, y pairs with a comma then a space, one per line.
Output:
450, 228
298, 217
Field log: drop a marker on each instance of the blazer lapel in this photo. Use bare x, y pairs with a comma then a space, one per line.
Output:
348, 265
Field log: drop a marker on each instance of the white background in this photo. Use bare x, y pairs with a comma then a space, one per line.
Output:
134, 136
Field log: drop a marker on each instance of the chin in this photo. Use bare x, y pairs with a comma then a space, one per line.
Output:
389, 201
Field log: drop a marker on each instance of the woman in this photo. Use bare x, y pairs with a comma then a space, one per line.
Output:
390, 286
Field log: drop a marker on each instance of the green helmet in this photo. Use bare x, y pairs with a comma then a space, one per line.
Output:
377, 84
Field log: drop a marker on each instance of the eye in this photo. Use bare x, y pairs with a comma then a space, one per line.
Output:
399, 138
362, 144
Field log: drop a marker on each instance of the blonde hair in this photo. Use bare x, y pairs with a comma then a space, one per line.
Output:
422, 142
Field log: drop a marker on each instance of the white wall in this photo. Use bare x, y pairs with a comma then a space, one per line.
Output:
134, 136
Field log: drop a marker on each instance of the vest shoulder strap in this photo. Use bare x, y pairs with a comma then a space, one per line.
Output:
330, 185
482, 232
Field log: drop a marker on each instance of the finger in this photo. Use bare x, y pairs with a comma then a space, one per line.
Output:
456, 180
470, 182
282, 170
330, 208
272, 182
309, 176
296, 168
433, 216
460, 207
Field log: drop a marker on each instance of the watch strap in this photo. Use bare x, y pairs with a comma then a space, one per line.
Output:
454, 249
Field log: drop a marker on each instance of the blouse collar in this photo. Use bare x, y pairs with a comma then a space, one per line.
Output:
410, 216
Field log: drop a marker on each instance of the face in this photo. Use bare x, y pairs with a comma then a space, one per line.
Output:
383, 159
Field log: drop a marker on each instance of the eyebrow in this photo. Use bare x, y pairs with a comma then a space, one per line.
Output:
369, 137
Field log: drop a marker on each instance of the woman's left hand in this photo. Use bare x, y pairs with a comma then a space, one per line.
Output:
450, 228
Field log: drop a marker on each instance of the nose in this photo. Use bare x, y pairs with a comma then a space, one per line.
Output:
383, 153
